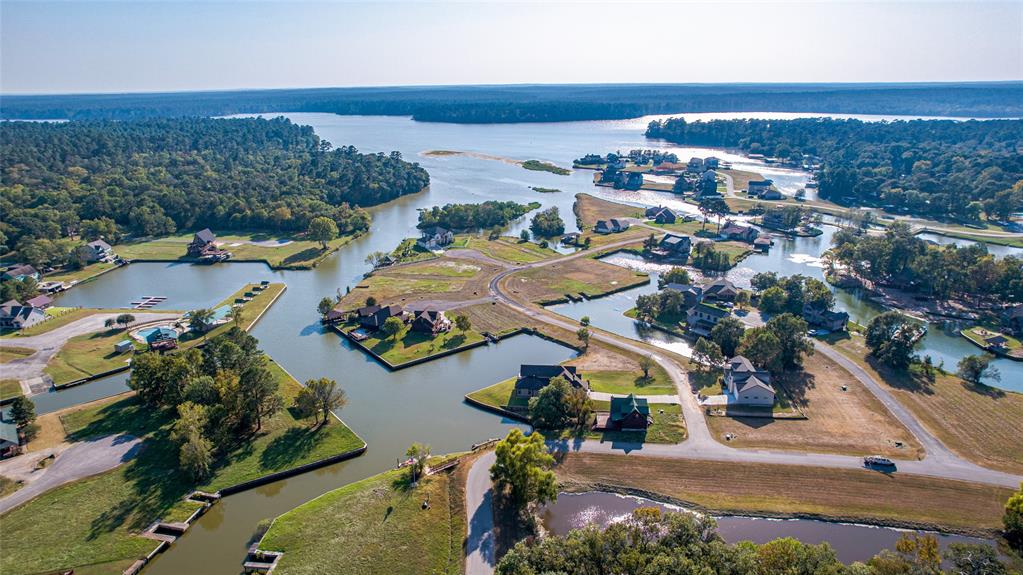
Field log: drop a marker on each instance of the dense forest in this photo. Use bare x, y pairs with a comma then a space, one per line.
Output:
532, 103
934, 168
153, 177
462, 217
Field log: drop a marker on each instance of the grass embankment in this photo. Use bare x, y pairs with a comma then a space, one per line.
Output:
540, 166
974, 421
979, 335
781, 490
11, 353
77, 276
412, 345
377, 525
505, 248
91, 354
9, 388
579, 277
92, 523
277, 252
667, 322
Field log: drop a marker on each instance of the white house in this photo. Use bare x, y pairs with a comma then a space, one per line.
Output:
747, 385
14, 315
435, 238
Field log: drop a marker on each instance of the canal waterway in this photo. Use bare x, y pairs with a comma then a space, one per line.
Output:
851, 542
390, 410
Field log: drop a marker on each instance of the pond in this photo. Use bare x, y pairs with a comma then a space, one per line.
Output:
851, 542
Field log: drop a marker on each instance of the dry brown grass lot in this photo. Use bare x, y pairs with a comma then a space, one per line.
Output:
981, 424
782, 490
589, 209
740, 179
441, 279
573, 277
847, 422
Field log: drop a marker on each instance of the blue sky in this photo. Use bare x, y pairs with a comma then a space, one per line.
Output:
117, 46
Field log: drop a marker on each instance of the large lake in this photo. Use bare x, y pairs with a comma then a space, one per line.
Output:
390, 410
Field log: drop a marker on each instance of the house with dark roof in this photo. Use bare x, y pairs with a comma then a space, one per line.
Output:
711, 163
19, 272
747, 385
10, 442
612, 226
702, 317
435, 237
763, 244
734, 231
758, 187
1013, 319
709, 176
672, 245
720, 289
431, 321
533, 378
628, 413
40, 301
203, 243
695, 165
651, 212
14, 315
373, 316
825, 318
691, 294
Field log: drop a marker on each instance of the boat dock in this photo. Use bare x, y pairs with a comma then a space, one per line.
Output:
148, 301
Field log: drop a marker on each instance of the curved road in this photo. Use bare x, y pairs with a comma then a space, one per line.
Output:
479, 515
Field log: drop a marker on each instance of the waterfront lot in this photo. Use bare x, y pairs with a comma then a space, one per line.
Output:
580, 277
507, 249
588, 209
783, 490
445, 280
973, 421
277, 252
377, 525
412, 346
92, 523
849, 422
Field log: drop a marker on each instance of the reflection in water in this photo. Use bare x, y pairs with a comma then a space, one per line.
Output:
851, 542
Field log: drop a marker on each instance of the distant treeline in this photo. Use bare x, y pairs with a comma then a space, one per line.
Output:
461, 217
939, 168
154, 177
550, 103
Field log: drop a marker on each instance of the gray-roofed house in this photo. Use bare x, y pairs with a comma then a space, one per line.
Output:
435, 237
14, 315
533, 378
720, 289
703, 316
672, 245
19, 272
431, 321
758, 187
746, 384
691, 294
373, 317
734, 231
98, 251
825, 318
41, 301
612, 226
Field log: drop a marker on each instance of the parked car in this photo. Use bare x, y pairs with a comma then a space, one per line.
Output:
876, 461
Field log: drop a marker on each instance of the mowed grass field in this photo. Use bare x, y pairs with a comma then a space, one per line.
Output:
80, 275
440, 279
377, 526
90, 525
505, 248
577, 277
846, 422
974, 421
414, 345
277, 252
784, 490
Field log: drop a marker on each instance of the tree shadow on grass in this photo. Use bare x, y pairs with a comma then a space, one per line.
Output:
796, 384
986, 390
905, 380
454, 341
291, 446
303, 256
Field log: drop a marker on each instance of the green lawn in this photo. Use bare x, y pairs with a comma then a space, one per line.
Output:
668, 427
538, 166
297, 254
9, 388
60, 316
92, 522
666, 322
408, 251
499, 395
376, 525
447, 268
506, 248
978, 334
415, 345
10, 353
626, 382
80, 275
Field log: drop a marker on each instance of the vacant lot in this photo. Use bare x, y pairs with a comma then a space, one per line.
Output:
849, 422
794, 490
377, 525
504, 248
414, 345
974, 421
578, 277
93, 522
444, 279
741, 179
277, 252
80, 275
589, 209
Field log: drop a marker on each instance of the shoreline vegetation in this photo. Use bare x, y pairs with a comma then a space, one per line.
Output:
289, 253
96, 520
534, 165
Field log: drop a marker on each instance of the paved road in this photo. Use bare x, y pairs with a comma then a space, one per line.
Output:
479, 512
939, 461
48, 344
81, 460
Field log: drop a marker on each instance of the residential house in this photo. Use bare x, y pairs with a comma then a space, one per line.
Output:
612, 226
734, 231
691, 294
651, 212
10, 443
19, 272
628, 413
996, 342
746, 384
533, 378
711, 163
825, 318
709, 176
40, 301
1013, 318
334, 316
373, 316
703, 316
695, 165
431, 321
570, 238
619, 225
203, 243
758, 187
675, 246
14, 315
772, 194
762, 244
98, 251
720, 290
665, 216
435, 237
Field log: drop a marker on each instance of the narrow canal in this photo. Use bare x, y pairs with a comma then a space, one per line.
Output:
390, 410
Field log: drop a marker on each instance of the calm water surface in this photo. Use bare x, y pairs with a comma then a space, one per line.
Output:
390, 410
851, 542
